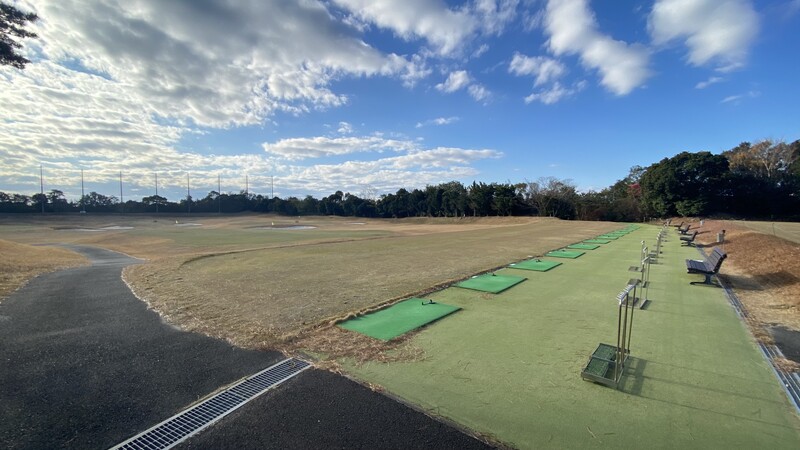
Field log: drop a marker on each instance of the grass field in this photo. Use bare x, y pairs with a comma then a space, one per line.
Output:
508, 366
784, 230
238, 278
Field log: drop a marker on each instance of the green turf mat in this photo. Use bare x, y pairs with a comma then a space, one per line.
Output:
597, 241
608, 236
399, 318
583, 246
535, 264
565, 254
491, 283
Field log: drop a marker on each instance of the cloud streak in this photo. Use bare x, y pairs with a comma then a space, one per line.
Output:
573, 30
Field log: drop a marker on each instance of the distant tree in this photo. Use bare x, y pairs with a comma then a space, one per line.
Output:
12, 27
686, 184
57, 201
552, 197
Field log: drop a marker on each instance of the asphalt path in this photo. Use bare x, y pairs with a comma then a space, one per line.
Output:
84, 364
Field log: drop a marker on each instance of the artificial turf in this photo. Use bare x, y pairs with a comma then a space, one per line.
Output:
538, 265
584, 246
695, 377
596, 241
562, 253
491, 282
399, 318
609, 237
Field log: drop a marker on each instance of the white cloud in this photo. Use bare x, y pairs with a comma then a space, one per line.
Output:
317, 147
543, 68
215, 63
480, 51
573, 29
736, 99
455, 81
414, 169
445, 29
479, 92
555, 93
709, 82
439, 121
718, 31
345, 128
494, 15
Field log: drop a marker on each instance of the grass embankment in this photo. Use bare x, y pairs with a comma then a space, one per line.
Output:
20, 263
258, 298
508, 365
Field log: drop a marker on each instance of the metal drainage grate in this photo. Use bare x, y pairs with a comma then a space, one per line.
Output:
183, 425
789, 380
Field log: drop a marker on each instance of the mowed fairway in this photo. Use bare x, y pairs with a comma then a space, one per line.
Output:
255, 298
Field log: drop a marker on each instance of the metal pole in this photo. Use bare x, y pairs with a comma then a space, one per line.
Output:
246, 186
121, 200
188, 196
156, 192
219, 194
272, 186
83, 195
41, 185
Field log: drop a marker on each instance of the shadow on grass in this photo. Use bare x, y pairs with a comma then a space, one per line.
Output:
635, 378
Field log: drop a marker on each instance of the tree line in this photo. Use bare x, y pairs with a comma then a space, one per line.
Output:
749, 180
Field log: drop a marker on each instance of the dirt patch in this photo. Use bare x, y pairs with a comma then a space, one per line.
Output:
21, 263
764, 271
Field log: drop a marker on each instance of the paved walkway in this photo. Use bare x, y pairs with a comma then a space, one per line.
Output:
84, 364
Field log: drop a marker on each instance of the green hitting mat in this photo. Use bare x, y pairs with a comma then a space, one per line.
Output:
399, 318
608, 237
596, 241
535, 264
491, 283
563, 253
584, 246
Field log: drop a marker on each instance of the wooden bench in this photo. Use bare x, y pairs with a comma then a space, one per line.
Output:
708, 267
688, 240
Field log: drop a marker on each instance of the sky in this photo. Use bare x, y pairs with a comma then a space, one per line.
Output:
307, 97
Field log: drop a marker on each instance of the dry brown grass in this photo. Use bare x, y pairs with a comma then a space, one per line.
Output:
20, 263
764, 270
269, 297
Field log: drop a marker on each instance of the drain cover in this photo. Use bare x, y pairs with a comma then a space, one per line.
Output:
183, 425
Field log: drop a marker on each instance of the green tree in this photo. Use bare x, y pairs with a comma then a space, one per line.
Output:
686, 184
12, 28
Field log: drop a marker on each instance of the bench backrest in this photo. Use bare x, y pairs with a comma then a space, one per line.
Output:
714, 260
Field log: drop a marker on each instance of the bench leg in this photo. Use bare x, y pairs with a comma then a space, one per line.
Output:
706, 282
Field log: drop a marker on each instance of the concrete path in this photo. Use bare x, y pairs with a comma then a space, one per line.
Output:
84, 364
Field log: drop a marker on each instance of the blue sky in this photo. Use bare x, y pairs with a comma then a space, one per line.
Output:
374, 95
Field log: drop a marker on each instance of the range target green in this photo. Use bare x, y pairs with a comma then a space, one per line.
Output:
584, 246
491, 283
596, 241
563, 253
399, 318
535, 264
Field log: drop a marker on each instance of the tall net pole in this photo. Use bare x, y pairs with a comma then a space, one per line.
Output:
219, 194
121, 200
157, 202
83, 195
188, 196
41, 185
